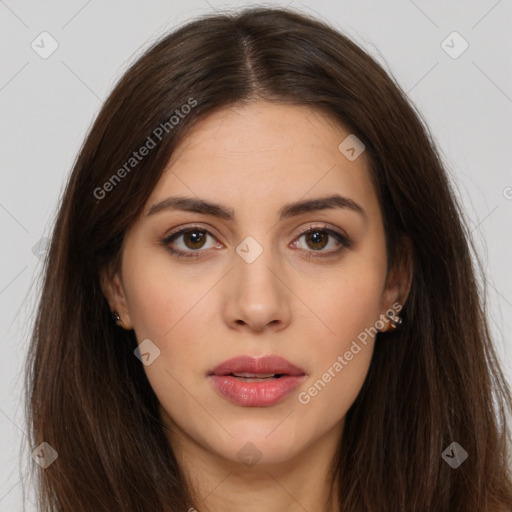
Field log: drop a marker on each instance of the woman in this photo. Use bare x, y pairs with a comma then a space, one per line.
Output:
260, 293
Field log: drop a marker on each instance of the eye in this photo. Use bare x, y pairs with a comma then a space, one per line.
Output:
193, 239
189, 242
319, 237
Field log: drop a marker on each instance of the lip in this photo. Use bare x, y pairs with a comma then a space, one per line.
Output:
257, 365
256, 394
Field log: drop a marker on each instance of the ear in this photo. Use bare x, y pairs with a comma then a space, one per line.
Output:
399, 280
112, 287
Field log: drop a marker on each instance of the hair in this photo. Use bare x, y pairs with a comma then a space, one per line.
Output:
434, 381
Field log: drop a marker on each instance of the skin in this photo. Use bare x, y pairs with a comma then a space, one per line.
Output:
200, 312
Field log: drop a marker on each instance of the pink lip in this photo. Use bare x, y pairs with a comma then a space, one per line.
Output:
256, 394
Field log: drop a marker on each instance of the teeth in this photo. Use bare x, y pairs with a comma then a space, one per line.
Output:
254, 375
256, 379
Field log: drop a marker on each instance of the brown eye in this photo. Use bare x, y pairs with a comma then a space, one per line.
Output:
188, 242
196, 237
317, 239
314, 240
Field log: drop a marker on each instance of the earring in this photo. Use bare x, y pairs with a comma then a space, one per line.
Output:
115, 316
395, 320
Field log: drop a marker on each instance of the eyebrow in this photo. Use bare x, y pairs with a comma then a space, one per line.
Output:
289, 210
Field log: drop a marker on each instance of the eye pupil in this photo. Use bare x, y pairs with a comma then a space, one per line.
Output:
197, 238
318, 237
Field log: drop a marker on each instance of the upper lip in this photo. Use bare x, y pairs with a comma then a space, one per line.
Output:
270, 364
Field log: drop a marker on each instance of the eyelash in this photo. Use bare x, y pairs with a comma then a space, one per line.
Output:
342, 239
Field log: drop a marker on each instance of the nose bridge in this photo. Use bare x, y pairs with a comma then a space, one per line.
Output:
257, 297
253, 261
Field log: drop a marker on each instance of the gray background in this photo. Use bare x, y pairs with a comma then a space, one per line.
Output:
48, 104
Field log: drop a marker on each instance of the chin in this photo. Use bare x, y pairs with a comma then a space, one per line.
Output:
260, 448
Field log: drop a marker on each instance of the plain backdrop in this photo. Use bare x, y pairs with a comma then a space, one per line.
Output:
47, 105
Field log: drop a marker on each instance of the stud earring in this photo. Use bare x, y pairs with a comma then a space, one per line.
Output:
115, 316
395, 320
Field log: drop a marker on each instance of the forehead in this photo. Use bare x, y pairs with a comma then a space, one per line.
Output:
265, 154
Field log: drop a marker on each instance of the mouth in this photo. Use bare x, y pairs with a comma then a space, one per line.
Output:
256, 381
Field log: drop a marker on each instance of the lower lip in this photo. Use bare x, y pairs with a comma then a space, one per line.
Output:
255, 394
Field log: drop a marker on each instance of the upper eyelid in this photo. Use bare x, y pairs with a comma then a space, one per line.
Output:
182, 230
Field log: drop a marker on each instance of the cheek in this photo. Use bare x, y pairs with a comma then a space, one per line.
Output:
158, 300
349, 303
331, 392
341, 363
175, 312
349, 306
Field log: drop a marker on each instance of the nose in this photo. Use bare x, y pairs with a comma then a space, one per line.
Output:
257, 296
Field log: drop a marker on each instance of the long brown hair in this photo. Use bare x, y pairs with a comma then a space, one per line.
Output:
434, 381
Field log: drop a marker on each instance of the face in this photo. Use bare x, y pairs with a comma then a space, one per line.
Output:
258, 277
